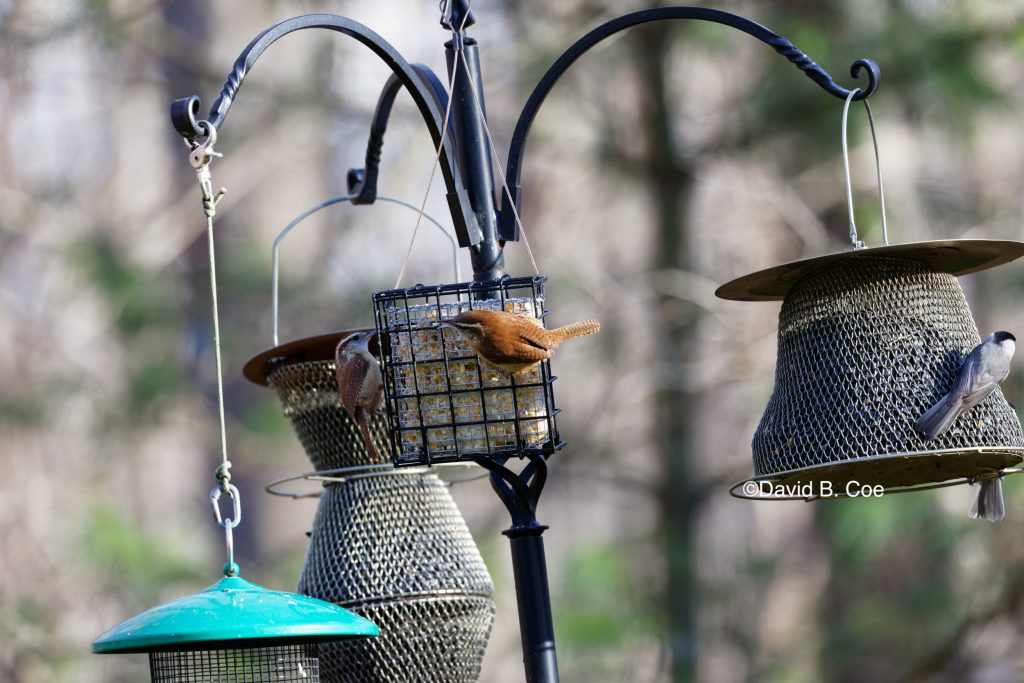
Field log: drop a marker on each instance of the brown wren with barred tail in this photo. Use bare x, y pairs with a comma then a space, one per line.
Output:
513, 342
360, 384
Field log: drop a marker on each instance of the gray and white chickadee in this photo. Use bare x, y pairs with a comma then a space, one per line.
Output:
981, 372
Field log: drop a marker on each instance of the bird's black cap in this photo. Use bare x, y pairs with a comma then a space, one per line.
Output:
1003, 336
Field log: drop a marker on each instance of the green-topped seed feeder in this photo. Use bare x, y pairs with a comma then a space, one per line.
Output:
234, 631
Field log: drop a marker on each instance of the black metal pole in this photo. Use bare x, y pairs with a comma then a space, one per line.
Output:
520, 493
473, 153
536, 627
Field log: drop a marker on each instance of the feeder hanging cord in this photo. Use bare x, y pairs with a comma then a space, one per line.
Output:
200, 159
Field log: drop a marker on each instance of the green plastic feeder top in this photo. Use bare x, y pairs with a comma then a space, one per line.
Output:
234, 613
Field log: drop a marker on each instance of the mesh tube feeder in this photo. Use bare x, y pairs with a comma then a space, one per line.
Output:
387, 544
868, 340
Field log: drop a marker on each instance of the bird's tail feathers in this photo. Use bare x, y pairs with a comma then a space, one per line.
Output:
580, 329
988, 501
364, 426
938, 419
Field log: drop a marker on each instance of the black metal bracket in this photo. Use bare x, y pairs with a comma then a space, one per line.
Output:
362, 182
507, 229
465, 161
185, 111
455, 13
520, 492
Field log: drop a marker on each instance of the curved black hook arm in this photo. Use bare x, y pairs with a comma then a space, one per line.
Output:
362, 182
507, 227
183, 112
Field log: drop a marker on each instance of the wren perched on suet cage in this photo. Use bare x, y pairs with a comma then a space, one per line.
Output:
443, 403
868, 341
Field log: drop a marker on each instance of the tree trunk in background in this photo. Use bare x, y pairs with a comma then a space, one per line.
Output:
670, 178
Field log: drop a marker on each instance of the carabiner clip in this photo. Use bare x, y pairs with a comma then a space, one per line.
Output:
236, 499
201, 153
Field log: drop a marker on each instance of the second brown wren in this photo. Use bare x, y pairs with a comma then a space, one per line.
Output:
360, 384
514, 342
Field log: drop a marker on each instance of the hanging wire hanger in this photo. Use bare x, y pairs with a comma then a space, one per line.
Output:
275, 253
858, 244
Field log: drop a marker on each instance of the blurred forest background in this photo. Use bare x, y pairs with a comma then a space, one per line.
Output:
669, 160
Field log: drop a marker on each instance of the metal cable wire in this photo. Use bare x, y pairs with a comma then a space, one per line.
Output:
437, 159
857, 244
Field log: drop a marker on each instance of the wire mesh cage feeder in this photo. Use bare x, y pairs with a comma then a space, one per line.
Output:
390, 545
868, 340
443, 403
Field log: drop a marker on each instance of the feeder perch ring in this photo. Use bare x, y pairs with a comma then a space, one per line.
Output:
968, 466
450, 473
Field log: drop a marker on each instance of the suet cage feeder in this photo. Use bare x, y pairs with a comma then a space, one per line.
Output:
443, 403
235, 632
387, 544
868, 340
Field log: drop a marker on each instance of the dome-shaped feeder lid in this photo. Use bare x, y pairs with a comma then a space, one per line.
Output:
956, 257
320, 347
234, 613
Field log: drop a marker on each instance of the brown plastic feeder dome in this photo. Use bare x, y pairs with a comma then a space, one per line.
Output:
868, 341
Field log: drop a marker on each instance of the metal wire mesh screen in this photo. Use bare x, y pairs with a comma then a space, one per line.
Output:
443, 403
332, 440
256, 665
395, 549
866, 346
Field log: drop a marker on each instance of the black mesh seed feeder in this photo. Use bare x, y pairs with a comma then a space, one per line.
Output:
389, 545
867, 338
868, 341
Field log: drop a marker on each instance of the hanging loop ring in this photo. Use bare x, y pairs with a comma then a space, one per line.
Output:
857, 243
236, 514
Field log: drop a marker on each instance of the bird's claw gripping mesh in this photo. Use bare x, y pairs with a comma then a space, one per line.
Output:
866, 346
443, 403
272, 664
